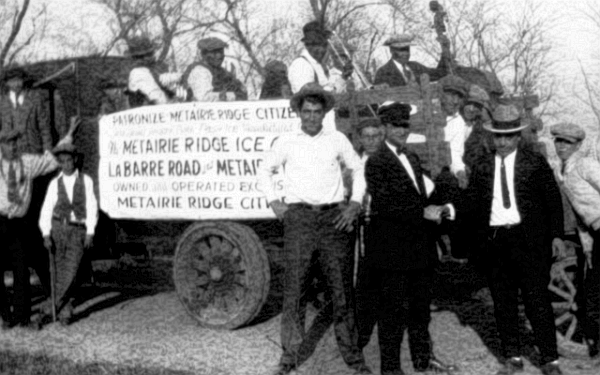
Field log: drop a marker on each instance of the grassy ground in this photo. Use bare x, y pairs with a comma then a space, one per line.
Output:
34, 364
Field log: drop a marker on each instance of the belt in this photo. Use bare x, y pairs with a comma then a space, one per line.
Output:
64, 221
315, 207
505, 227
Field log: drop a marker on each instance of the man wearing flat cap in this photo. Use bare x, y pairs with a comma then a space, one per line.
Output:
400, 71
316, 220
17, 171
514, 206
207, 80
580, 177
144, 86
394, 284
310, 65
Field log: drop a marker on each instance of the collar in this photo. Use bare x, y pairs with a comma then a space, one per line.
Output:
508, 158
14, 98
572, 162
74, 175
392, 147
301, 132
309, 57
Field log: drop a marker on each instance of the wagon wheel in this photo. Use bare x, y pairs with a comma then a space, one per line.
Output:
221, 274
563, 284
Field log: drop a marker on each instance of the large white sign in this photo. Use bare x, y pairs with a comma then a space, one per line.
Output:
190, 161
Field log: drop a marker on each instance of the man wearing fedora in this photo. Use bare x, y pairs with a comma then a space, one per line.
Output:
207, 80
394, 285
310, 65
580, 180
316, 220
17, 171
514, 205
400, 71
144, 85
68, 220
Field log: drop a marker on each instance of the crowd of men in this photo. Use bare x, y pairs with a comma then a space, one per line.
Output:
518, 210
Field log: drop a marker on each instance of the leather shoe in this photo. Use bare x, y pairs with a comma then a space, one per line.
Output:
435, 365
284, 369
551, 368
511, 366
361, 369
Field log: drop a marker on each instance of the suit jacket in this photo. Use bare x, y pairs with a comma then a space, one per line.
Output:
390, 74
398, 236
538, 201
31, 118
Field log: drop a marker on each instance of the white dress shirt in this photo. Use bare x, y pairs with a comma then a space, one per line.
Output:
456, 133
311, 168
91, 204
501, 215
200, 82
142, 80
305, 68
403, 73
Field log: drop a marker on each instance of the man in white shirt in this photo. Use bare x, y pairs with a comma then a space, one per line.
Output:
315, 219
514, 211
144, 86
310, 66
68, 221
207, 80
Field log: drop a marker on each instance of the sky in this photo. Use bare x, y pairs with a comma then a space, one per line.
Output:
573, 37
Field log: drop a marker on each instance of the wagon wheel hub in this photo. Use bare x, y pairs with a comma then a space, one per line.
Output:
216, 274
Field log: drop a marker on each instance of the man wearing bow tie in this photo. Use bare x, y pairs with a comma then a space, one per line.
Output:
394, 288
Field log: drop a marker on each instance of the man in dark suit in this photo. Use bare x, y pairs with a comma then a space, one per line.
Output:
514, 205
400, 71
394, 285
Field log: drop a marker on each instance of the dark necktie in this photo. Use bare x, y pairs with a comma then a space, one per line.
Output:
504, 183
13, 192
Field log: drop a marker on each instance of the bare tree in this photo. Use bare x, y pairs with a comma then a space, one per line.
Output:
13, 42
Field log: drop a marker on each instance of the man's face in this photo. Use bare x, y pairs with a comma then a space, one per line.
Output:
565, 148
396, 135
506, 143
9, 149
317, 50
451, 102
311, 117
67, 163
15, 84
401, 55
371, 138
214, 58
472, 111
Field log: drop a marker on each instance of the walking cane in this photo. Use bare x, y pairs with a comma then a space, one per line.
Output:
52, 282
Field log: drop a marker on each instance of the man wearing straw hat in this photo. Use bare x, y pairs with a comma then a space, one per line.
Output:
317, 221
400, 71
310, 65
514, 205
207, 80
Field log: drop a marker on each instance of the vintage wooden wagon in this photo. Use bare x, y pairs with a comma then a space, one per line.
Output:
222, 268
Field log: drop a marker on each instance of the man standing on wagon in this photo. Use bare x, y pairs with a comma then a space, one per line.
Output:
315, 219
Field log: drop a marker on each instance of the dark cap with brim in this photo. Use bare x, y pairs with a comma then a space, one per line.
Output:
368, 123
395, 113
315, 90
211, 44
454, 84
140, 46
7, 135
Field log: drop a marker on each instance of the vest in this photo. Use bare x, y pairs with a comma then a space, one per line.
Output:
62, 210
222, 80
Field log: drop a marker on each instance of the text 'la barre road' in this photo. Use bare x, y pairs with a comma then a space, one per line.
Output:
179, 168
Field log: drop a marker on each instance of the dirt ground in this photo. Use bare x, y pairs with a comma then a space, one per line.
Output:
132, 316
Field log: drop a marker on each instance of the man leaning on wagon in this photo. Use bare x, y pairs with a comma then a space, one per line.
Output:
513, 205
315, 219
580, 177
207, 80
17, 172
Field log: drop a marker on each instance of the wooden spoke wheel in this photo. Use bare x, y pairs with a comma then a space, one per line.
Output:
563, 285
221, 274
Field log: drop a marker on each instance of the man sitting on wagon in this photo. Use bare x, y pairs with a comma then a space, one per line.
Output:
144, 86
400, 71
207, 80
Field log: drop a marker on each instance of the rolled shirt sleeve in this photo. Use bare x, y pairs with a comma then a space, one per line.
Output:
91, 206
45, 221
200, 82
142, 80
352, 160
